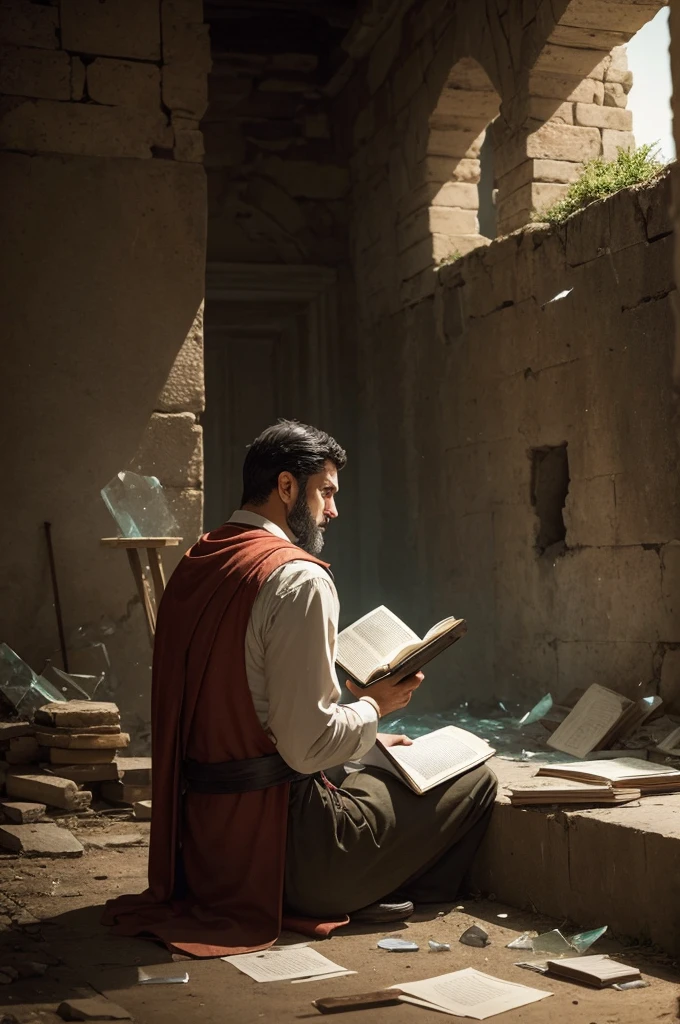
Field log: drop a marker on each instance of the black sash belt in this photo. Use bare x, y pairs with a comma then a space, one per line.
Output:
238, 776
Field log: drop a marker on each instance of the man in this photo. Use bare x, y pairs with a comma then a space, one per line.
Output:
254, 816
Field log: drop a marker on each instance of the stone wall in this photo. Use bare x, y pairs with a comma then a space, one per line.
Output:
103, 202
469, 390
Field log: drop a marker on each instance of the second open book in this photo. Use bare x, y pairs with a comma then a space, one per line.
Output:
380, 646
432, 759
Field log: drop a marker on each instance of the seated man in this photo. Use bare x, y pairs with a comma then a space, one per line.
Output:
253, 821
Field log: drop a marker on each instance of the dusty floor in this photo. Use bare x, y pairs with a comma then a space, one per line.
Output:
66, 896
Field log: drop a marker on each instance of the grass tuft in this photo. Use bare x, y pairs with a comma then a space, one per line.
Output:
603, 178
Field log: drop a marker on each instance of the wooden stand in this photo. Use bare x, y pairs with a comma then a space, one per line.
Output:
152, 545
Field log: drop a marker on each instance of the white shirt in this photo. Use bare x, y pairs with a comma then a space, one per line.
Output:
290, 665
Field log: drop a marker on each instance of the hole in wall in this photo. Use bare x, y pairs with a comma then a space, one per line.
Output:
485, 187
549, 489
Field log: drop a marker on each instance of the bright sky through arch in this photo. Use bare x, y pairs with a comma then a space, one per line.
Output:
650, 97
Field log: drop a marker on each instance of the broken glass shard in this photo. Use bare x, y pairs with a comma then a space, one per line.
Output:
538, 711
474, 936
22, 688
552, 942
584, 940
523, 941
139, 506
398, 945
73, 685
438, 947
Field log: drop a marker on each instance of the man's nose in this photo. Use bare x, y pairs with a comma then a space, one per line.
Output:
331, 509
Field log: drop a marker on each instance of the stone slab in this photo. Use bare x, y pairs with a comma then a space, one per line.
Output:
21, 813
109, 842
74, 713
88, 773
135, 771
81, 740
124, 793
124, 83
48, 789
142, 810
28, 71
58, 755
95, 1008
40, 840
10, 729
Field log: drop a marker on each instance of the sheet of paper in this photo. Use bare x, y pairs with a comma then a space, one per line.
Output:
322, 977
471, 993
283, 963
589, 721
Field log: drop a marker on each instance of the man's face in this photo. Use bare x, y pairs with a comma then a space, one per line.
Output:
314, 508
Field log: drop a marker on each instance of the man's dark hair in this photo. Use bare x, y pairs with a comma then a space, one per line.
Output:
290, 447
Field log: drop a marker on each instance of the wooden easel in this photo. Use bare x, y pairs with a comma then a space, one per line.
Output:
153, 547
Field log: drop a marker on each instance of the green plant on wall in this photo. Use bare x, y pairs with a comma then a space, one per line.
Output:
454, 255
601, 178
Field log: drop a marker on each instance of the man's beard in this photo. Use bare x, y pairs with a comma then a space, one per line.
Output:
309, 535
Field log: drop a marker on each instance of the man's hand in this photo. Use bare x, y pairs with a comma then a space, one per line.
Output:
388, 695
393, 739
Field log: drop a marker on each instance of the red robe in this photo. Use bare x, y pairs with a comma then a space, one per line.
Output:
224, 894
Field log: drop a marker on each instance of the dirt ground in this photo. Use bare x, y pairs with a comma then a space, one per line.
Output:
50, 910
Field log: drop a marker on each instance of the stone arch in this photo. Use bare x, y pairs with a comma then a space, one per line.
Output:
570, 106
440, 216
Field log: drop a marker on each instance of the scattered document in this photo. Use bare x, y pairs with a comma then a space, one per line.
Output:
599, 718
431, 759
285, 964
469, 993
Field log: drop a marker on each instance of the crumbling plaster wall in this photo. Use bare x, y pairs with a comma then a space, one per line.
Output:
103, 197
444, 394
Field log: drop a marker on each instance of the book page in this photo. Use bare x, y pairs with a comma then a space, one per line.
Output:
370, 642
440, 755
441, 627
283, 964
471, 993
586, 726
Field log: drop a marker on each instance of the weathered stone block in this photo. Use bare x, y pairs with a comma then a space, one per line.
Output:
453, 221
457, 193
617, 68
27, 71
23, 23
556, 171
592, 116
46, 840
464, 103
172, 450
538, 196
185, 89
614, 95
184, 390
550, 110
123, 83
186, 38
47, 789
44, 126
416, 258
563, 142
625, 667
613, 141
117, 28
189, 146
18, 813
669, 690
571, 61
573, 89
452, 143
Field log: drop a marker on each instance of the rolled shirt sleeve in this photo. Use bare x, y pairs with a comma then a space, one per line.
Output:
311, 730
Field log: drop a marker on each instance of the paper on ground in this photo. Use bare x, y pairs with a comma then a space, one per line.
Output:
284, 964
470, 993
322, 977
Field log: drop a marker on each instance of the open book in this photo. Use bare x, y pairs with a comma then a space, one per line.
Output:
437, 757
624, 772
379, 645
599, 718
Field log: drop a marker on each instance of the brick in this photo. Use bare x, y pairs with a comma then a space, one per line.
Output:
599, 41
81, 740
17, 813
34, 72
466, 104
185, 89
453, 221
590, 115
171, 448
142, 810
613, 141
457, 193
40, 840
96, 1008
617, 67
614, 95
117, 28
184, 390
557, 171
454, 143
124, 83
571, 61
78, 714
43, 126
23, 23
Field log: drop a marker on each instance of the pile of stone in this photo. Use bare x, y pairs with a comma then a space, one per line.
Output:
59, 762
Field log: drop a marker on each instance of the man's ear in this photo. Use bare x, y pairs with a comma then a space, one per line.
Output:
287, 488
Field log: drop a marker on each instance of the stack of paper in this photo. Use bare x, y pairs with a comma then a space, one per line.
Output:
597, 970
287, 963
567, 791
469, 993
